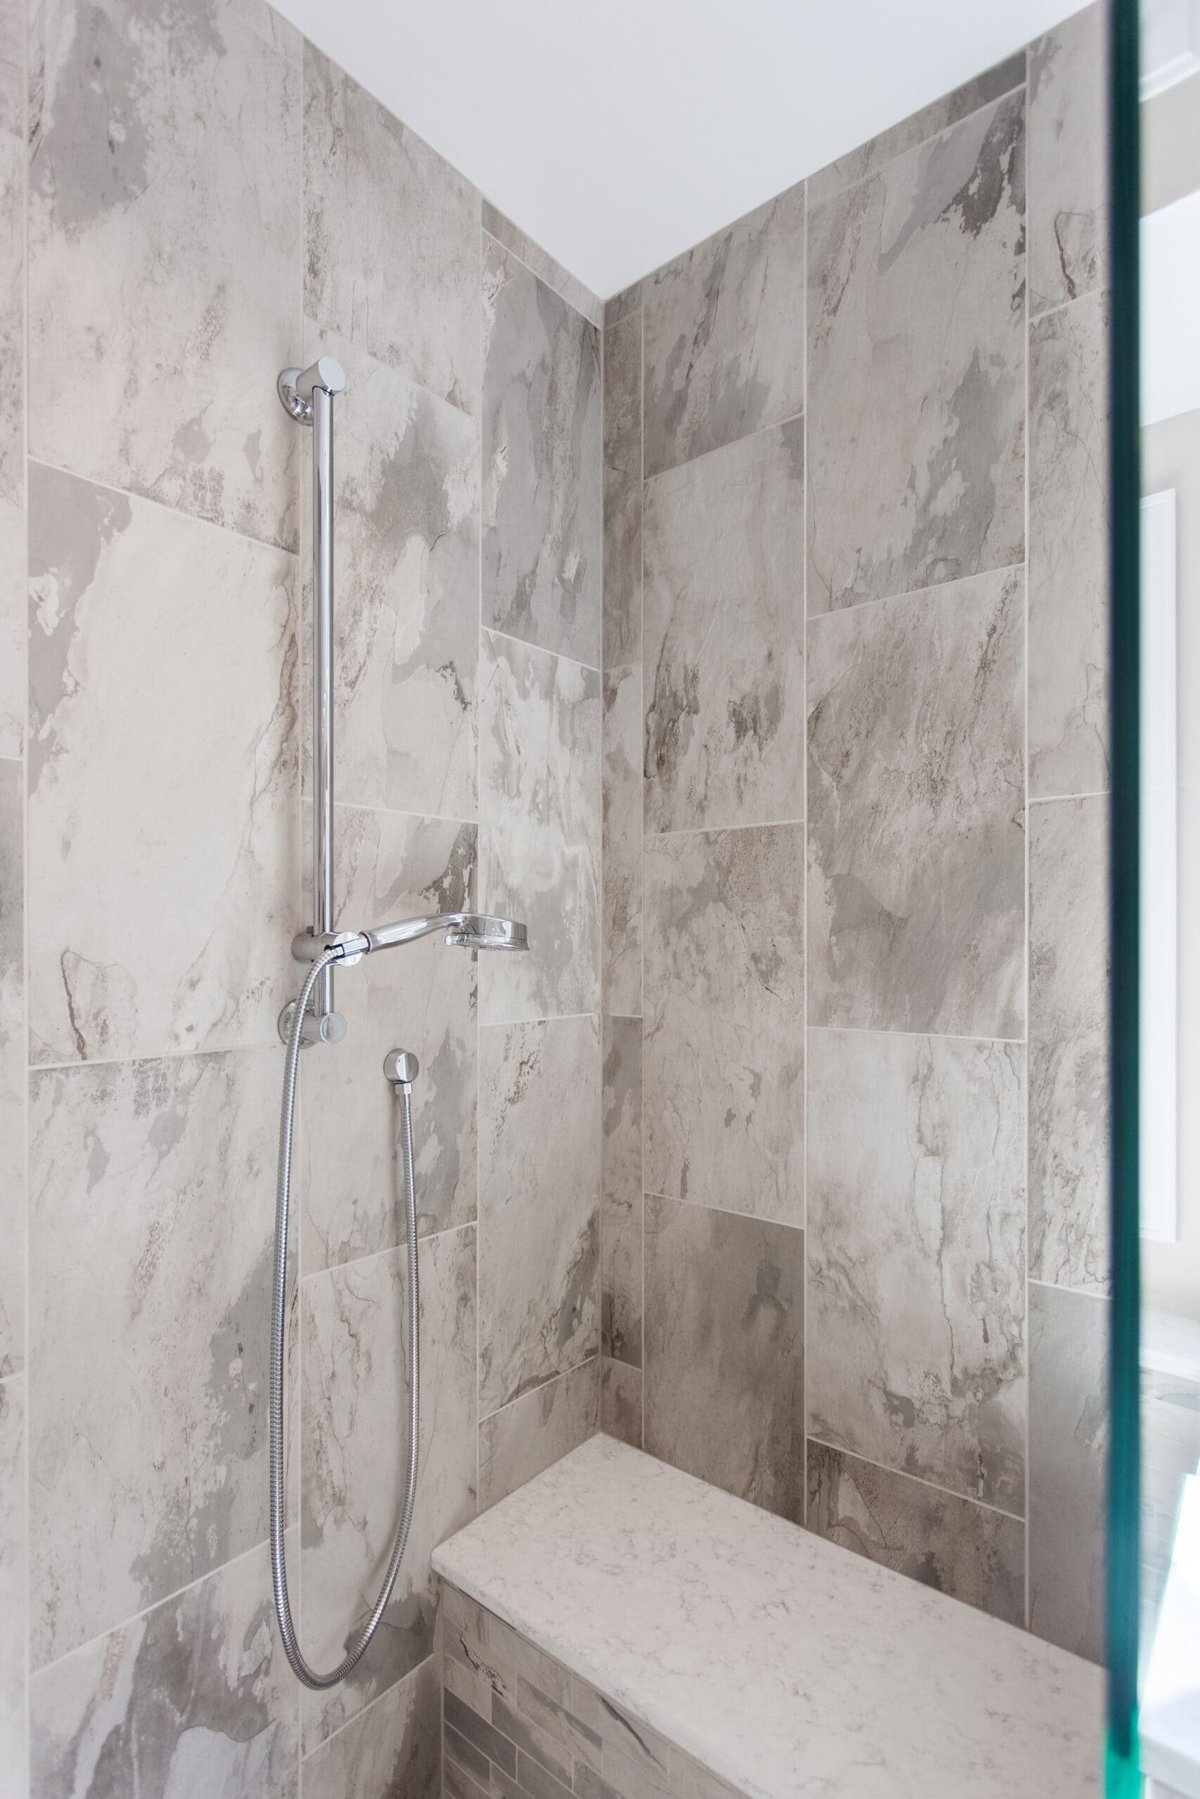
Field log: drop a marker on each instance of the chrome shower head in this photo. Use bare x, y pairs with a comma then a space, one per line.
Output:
472, 930
478, 931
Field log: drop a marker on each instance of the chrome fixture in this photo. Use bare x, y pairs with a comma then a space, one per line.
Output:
308, 397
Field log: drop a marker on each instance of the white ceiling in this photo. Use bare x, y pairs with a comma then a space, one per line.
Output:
619, 133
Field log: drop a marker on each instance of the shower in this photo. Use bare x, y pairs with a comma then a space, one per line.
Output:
308, 397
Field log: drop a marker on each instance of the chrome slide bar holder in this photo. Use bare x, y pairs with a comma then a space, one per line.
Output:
307, 396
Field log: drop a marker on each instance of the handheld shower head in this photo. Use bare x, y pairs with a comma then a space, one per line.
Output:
470, 930
479, 931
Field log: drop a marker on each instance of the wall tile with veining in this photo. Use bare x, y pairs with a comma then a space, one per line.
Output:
1068, 1455
1068, 1043
724, 1026
724, 1360
355, 1411
916, 334
623, 492
581, 299
12, 1582
916, 738
406, 618
392, 237
12, 1070
541, 1427
169, 300
12, 71
1002, 78
540, 834
621, 1401
967, 1550
162, 815
621, 856
391, 1751
1068, 551
149, 1282
542, 459
723, 335
1068, 205
621, 1186
12, 436
539, 1301
916, 1257
723, 659
194, 1696
421, 998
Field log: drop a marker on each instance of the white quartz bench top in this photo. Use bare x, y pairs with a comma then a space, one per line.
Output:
785, 1664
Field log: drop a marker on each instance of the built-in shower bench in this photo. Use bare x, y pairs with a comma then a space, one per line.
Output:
619, 1628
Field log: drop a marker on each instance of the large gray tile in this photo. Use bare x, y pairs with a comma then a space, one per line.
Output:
540, 829
916, 335
12, 70
1068, 550
916, 1257
621, 1193
392, 237
162, 775
193, 1697
724, 335
420, 998
1068, 1459
391, 1751
1068, 1043
916, 891
12, 1070
724, 1358
167, 301
12, 1584
406, 615
567, 286
621, 841
355, 1427
929, 122
539, 1204
148, 1325
623, 492
724, 1026
539, 1428
12, 436
621, 1402
1068, 171
967, 1550
723, 659
542, 460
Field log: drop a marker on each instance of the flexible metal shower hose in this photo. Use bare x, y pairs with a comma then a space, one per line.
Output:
283, 1610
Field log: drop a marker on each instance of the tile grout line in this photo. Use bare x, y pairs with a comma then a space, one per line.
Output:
930, 590
556, 286
527, 643
388, 1249
696, 1205
730, 443
131, 493
560, 1374
1026, 1608
26, 1158
640, 765
804, 881
479, 872
921, 1480
409, 1674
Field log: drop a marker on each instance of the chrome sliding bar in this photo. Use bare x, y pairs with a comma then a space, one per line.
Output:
308, 396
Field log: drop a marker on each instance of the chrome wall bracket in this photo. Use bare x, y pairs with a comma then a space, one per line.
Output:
307, 396
295, 387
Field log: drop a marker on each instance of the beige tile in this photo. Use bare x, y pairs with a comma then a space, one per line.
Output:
916, 1257
724, 1356
724, 1026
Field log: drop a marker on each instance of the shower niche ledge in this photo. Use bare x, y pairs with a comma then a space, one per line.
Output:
618, 1629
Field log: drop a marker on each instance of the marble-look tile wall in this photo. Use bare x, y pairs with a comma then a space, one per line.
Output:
154, 831
853, 1215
